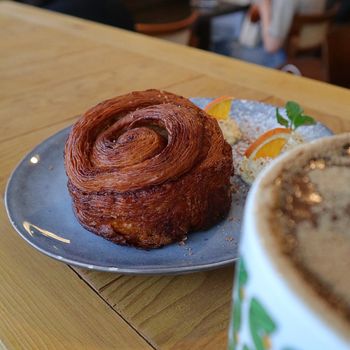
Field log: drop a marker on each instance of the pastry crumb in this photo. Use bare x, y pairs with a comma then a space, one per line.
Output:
230, 130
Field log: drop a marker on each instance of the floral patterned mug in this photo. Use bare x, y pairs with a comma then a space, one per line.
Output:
276, 305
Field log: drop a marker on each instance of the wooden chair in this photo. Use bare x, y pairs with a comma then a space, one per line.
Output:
306, 40
308, 32
179, 31
337, 55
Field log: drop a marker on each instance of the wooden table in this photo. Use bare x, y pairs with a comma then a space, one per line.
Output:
53, 67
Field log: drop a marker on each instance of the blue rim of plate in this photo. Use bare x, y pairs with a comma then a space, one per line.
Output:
139, 270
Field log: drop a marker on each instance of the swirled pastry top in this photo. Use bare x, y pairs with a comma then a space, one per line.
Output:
138, 140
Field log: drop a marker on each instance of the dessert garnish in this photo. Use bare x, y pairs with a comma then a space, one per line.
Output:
220, 109
272, 143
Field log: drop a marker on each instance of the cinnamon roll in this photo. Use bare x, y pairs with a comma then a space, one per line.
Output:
146, 168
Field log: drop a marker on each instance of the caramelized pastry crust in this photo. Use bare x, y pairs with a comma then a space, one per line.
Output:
146, 168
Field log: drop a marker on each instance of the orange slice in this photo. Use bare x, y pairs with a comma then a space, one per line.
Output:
269, 144
220, 107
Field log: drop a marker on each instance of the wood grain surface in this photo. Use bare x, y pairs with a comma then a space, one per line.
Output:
44, 305
52, 68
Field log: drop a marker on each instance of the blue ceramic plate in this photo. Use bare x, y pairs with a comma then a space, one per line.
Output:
39, 208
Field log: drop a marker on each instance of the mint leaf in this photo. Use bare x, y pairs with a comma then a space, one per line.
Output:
295, 115
293, 110
303, 120
281, 120
309, 120
298, 121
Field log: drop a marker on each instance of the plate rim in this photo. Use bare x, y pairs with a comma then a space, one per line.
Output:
178, 270
154, 270
126, 271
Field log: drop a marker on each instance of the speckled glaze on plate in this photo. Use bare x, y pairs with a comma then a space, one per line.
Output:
40, 209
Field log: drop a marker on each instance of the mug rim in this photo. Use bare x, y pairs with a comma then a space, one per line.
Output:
257, 209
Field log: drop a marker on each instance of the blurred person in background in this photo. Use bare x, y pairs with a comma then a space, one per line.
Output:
270, 22
343, 15
111, 12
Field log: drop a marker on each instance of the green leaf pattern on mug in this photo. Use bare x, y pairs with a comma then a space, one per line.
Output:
261, 324
241, 280
245, 347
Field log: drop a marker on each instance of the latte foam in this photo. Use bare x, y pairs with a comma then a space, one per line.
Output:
301, 213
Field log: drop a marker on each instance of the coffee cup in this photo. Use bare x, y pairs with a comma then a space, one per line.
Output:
292, 282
